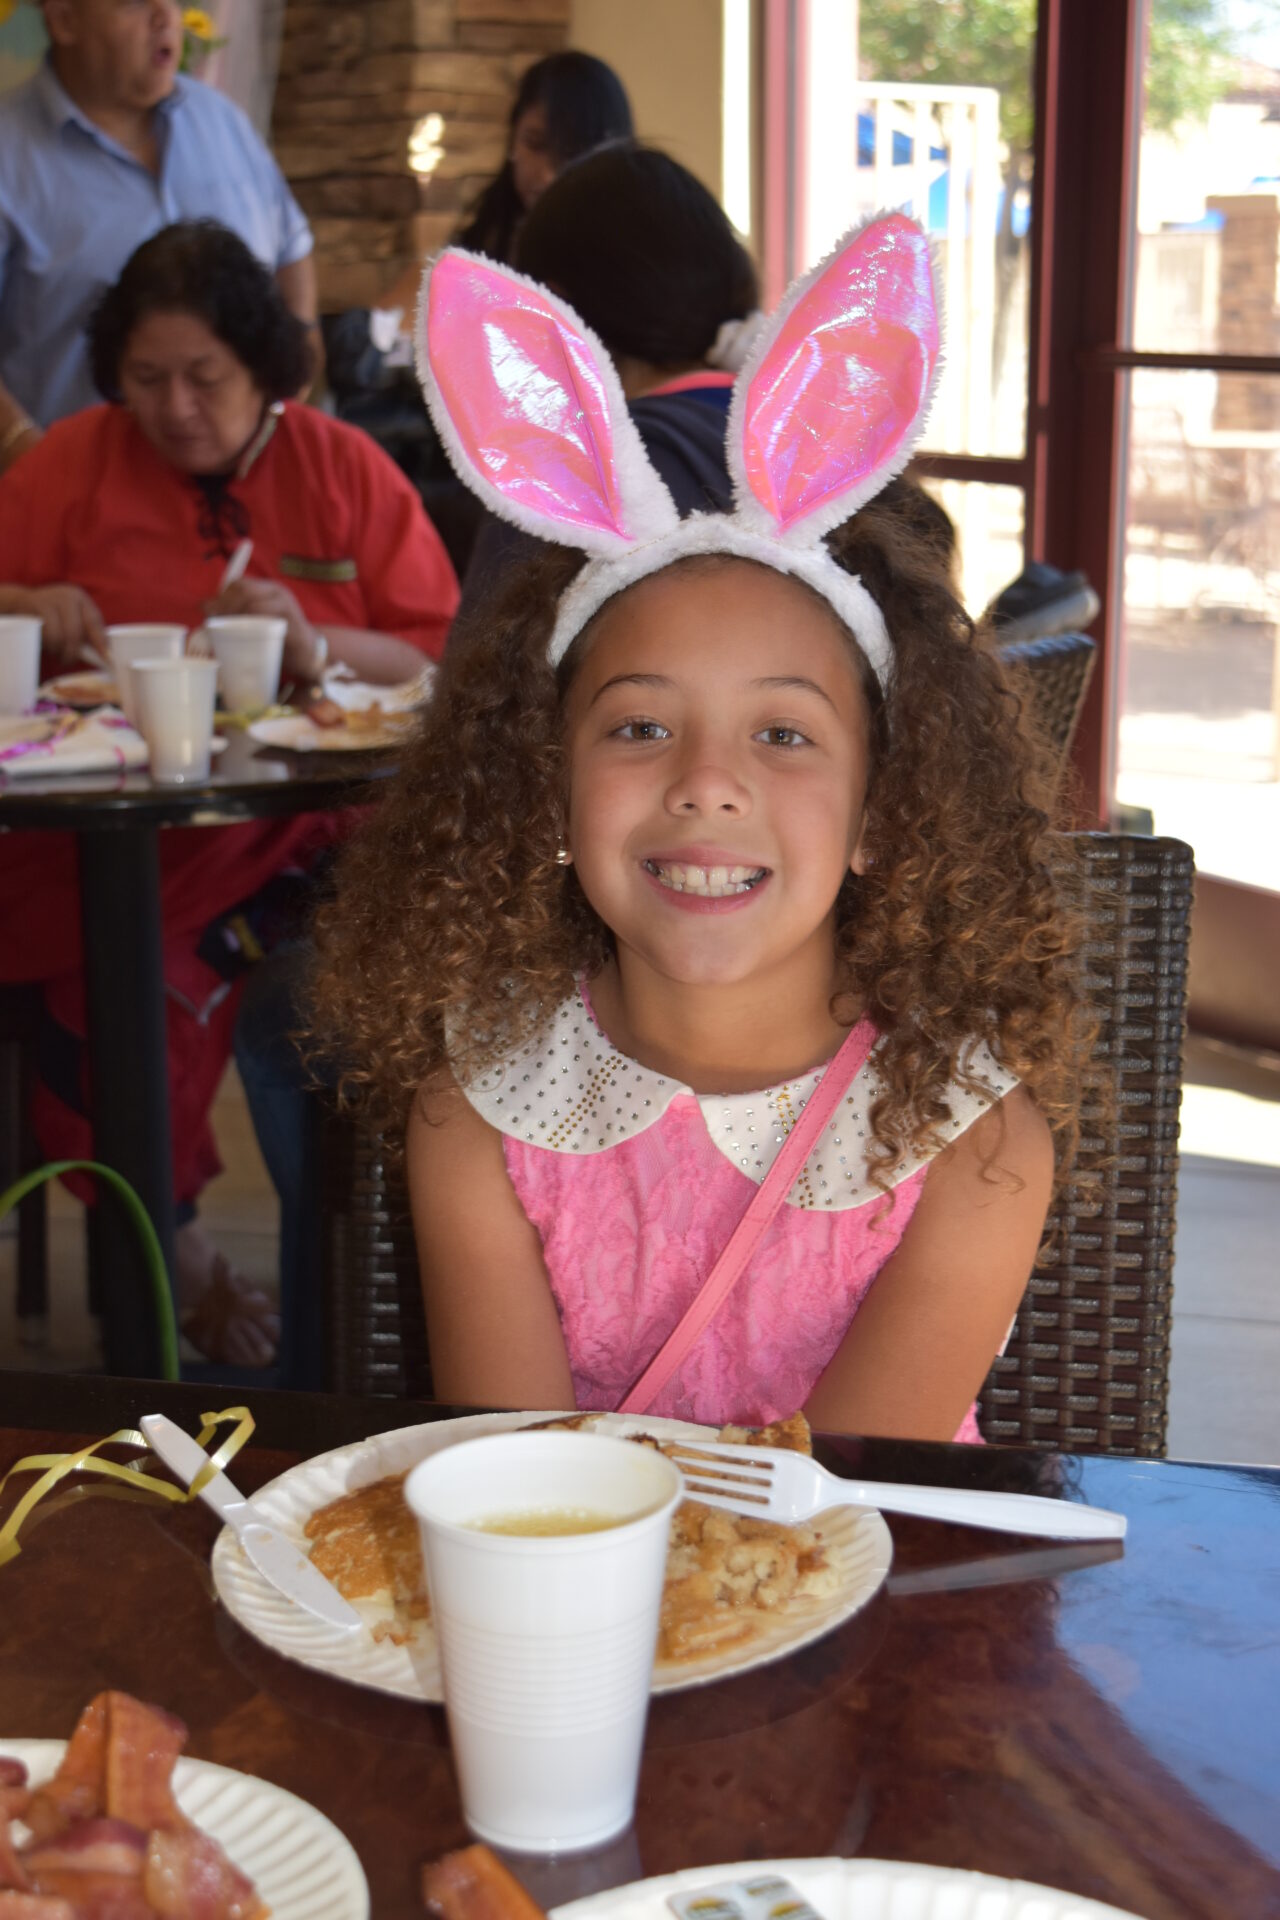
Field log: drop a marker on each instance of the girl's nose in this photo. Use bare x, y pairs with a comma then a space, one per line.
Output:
708, 784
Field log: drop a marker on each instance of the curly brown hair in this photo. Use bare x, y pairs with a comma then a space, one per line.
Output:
452, 910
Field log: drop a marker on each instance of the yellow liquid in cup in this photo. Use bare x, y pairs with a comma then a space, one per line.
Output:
547, 1522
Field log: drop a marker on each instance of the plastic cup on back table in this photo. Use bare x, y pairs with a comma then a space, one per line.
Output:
130, 644
249, 650
175, 701
19, 663
546, 1641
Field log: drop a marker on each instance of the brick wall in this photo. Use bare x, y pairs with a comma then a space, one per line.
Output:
355, 78
1248, 309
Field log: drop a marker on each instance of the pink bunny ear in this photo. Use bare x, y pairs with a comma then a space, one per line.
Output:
531, 411
830, 404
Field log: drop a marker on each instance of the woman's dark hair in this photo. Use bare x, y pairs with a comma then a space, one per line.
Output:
585, 104
639, 247
201, 268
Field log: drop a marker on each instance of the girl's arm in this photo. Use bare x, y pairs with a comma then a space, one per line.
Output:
492, 1326
923, 1340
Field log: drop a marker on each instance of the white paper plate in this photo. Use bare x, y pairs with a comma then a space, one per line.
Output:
856, 1890
856, 1539
303, 1868
300, 735
88, 688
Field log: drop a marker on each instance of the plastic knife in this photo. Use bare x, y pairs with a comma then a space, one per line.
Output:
278, 1560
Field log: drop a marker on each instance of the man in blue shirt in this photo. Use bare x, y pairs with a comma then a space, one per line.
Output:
106, 144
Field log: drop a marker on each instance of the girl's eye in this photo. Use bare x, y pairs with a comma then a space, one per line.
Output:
783, 737
641, 730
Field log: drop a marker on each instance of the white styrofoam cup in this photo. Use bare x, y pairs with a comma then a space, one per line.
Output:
546, 1642
19, 662
249, 650
175, 701
130, 644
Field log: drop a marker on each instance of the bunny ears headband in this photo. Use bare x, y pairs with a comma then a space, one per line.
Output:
824, 413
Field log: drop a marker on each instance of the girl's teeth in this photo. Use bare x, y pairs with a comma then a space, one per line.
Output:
713, 882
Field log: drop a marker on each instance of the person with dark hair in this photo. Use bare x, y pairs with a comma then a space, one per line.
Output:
646, 254
145, 499
130, 511
565, 105
106, 143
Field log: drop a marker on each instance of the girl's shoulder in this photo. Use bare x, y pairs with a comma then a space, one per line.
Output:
568, 1090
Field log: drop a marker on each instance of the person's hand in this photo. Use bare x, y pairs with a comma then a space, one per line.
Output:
268, 600
70, 619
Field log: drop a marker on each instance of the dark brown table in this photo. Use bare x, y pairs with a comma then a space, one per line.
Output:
1099, 1721
116, 819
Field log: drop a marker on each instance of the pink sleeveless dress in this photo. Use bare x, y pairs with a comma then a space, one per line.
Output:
634, 1184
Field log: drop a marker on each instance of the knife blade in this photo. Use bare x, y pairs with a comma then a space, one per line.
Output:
283, 1565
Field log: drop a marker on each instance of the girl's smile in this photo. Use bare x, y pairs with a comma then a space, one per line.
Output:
718, 739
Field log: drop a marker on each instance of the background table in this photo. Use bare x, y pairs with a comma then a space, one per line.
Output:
116, 818
1103, 1722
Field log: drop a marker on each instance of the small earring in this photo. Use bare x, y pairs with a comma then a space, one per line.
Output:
563, 856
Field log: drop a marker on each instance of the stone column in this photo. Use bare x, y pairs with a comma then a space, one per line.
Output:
356, 77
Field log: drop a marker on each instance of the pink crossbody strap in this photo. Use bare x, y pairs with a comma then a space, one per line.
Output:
746, 1236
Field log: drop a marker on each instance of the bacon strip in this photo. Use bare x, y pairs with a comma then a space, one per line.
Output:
76, 1790
189, 1877
142, 1745
94, 1896
473, 1884
91, 1846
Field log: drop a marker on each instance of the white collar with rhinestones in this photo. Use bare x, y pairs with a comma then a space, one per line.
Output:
570, 1090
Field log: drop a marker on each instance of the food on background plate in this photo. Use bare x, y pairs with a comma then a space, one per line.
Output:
726, 1575
105, 1839
88, 689
375, 722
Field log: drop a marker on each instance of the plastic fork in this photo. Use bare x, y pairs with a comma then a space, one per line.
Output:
767, 1483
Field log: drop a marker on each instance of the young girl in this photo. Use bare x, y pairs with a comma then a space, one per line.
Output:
732, 820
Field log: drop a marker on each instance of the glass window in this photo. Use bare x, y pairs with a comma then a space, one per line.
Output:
1199, 738
1208, 242
988, 523
945, 127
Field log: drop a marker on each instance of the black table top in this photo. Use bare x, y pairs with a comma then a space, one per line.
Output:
246, 782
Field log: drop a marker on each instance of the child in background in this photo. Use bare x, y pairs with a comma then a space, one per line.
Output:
713, 905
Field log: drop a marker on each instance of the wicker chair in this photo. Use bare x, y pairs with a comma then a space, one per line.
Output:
1056, 671
1086, 1368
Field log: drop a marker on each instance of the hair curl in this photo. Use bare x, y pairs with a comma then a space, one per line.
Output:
200, 267
452, 910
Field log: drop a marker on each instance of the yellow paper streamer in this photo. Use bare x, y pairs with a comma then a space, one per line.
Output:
55, 1467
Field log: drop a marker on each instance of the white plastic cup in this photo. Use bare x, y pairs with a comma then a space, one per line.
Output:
175, 716
19, 663
249, 650
130, 644
546, 1643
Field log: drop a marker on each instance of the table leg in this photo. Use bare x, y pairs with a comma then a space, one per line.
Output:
129, 1083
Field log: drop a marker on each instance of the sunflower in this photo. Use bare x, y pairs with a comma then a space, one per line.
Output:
195, 21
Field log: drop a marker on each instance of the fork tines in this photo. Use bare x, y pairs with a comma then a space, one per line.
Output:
719, 1476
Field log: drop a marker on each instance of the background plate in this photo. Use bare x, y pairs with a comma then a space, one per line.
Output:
303, 1868
856, 1538
857, 1890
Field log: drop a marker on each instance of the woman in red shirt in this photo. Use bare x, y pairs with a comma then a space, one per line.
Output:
129, 512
